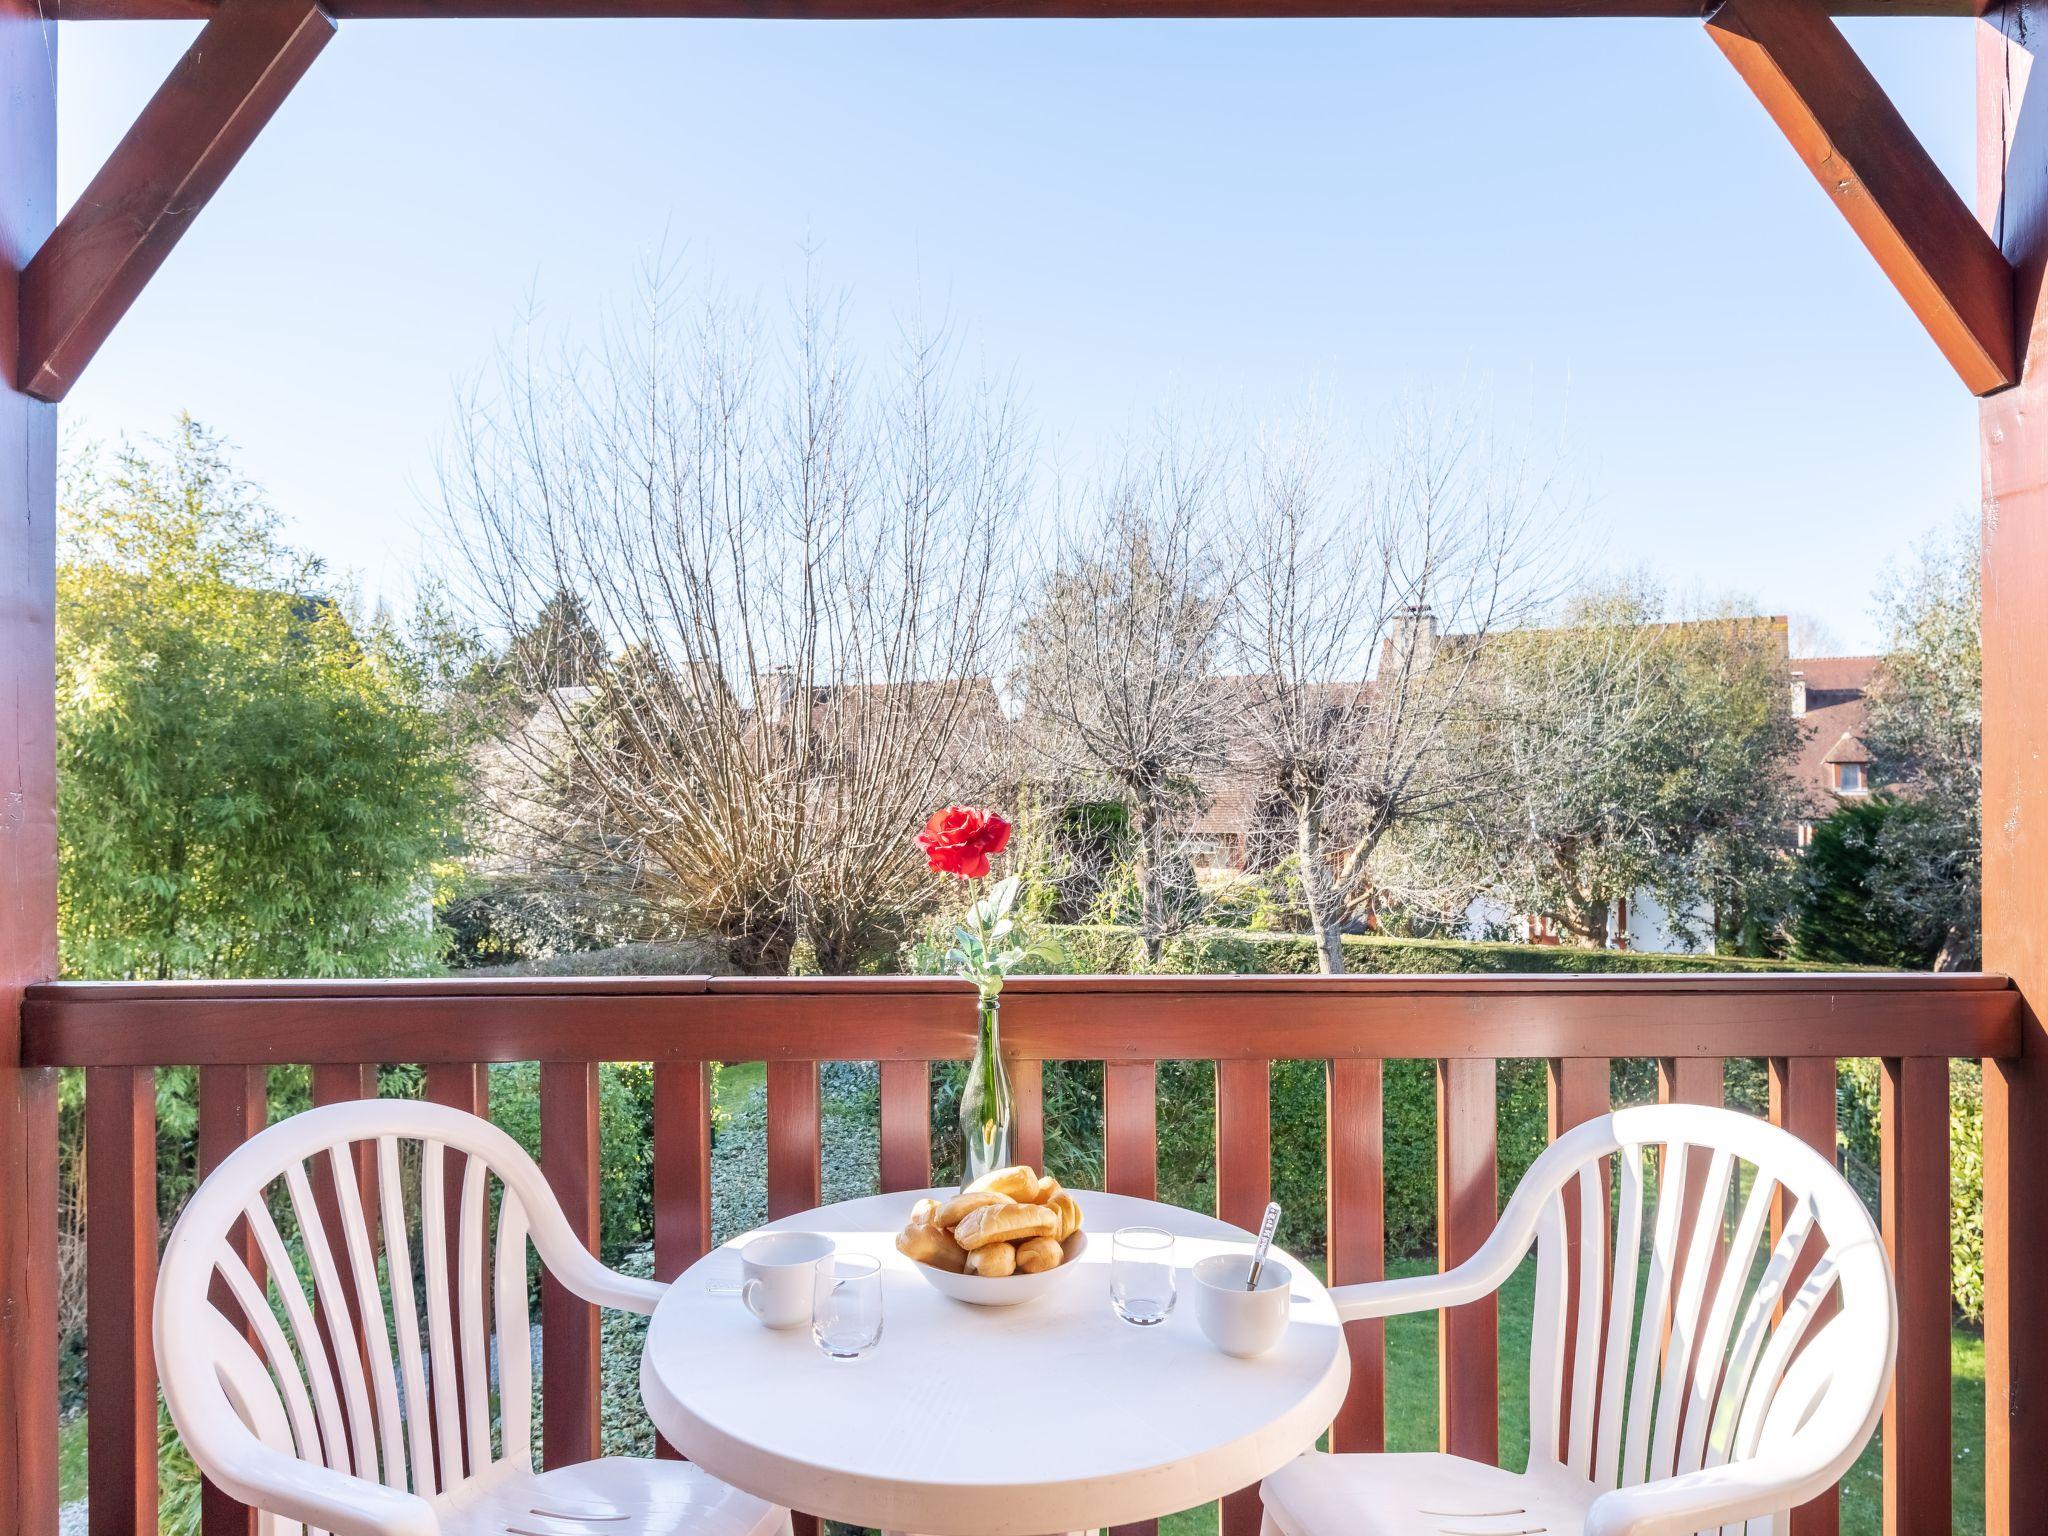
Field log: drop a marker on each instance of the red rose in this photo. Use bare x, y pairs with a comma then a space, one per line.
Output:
959, 840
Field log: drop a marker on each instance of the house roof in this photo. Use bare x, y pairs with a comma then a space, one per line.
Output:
1838, 711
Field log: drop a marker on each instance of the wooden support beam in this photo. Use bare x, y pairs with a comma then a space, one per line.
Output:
1950, 273
203, 118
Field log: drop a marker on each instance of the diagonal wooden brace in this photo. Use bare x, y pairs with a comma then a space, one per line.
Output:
236, 74
1894, 196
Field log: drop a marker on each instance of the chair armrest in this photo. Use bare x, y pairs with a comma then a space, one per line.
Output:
1417, 1293
602, 1285
1679, 1506
256, 1475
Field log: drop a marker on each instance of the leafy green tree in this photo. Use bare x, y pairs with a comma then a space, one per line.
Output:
1925, 734
1639, 755
254, 781
1838, 917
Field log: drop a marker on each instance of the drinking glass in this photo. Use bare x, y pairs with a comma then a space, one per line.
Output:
846, 1305
1141, 1274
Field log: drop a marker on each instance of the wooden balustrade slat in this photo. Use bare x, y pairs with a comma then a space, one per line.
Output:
1467, 1203
1130, 1128
1130, 1160
1803, 1102
233, 1106
794, 1169
1027, 1096
1693, 1080
120, 1285
1580, 1089
1244, 1183
336, 1083
1913, 1119
569, 1325
682, 1175
906, 1125
464, 1085
1357, 1222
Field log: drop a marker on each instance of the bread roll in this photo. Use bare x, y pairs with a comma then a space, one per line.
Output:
993, 1261
1037, 1253
1005, 1223
955, 1210
932, 1245
1019, 1183
926, 1211
1068, 1209
1048, 1191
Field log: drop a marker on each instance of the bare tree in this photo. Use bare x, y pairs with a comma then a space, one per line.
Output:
797, 574
1117, 653
1359, 619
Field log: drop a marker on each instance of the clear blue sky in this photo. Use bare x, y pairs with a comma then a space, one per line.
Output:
1591, 222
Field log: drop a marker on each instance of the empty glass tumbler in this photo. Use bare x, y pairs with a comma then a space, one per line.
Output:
1141, 1274
846, 1305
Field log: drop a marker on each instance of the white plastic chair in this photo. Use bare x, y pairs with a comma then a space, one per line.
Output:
377, 1439
1735, 1407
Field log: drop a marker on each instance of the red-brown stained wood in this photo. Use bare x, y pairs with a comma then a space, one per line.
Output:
1244, 1183
120, 1286
1357, 1224
180, 150
1467, 1205
28, 791
1913, 1185
1694, 1080
1027, 1094
2012, 185
569, 1325
1803, 1102
1902, 207
906, 1161
682, 1165
1080, 10
794, 1171
463, 1085
1048, 1018
339, 1084
682, 1175
1130, 1128
233, 1106
1580, 1089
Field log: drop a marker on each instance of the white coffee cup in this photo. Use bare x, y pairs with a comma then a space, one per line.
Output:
779, 1269
1237, 1321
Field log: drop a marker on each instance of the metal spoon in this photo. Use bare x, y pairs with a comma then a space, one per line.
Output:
1267, 1224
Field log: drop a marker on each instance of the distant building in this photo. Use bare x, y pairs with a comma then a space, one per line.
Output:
1243, 828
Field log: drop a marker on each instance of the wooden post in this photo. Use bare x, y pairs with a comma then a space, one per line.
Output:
2012, 139
28, 798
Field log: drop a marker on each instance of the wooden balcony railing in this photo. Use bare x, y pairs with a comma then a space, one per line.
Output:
1799, 1024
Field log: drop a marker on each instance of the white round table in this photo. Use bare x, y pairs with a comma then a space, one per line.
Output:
989, 1421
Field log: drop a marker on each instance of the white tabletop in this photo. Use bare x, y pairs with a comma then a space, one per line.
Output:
990, 1421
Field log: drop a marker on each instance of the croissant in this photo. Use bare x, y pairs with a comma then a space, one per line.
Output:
1035, 1254
1005, 1223
1018, 1183
955, 1210
993, 1262
931, 1245
1068, 1209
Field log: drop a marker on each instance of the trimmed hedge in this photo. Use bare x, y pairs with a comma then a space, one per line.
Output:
1116, 951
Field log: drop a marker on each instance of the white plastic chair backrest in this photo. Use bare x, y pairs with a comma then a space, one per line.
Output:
401, 1382
1723, 1358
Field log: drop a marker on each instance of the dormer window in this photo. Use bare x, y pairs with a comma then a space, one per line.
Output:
1850, 779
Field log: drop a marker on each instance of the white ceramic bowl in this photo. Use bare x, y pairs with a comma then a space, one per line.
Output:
1237, 1321
1010, 1290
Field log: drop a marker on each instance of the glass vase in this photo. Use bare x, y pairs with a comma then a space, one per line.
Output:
985, 1109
